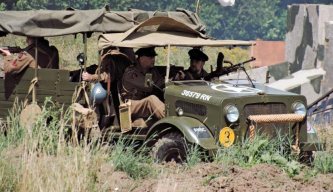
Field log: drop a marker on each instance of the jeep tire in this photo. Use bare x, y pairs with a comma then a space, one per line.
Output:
171, 147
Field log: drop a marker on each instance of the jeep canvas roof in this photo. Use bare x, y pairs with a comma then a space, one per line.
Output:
163, 31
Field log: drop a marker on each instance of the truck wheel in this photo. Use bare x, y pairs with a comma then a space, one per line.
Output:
171, 147
306, 157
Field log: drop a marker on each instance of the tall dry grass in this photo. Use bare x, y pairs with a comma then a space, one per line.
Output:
46, 160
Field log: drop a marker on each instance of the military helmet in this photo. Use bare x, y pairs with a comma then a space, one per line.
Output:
98, 93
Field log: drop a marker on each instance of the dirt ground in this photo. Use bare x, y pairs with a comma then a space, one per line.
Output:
214, 177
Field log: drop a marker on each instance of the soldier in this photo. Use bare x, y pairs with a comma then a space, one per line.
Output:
47, 57
122, 58
142, 99
15, 63
112, 67
195, 71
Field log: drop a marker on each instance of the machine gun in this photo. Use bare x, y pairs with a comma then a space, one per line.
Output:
12, 49
220, 70
241, 66
238, 66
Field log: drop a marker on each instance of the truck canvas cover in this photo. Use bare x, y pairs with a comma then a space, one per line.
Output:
47, 23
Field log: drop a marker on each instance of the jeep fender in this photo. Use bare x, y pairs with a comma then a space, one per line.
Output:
193, 130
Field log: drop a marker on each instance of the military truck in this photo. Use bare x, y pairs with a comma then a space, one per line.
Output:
60, 84
209, 114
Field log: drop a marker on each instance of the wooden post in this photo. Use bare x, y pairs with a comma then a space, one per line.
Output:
34, 92
168, 65
85, 50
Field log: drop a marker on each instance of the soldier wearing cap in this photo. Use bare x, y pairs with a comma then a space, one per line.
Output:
195, 71
143, 101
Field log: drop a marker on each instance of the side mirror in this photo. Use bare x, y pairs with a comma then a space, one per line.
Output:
80, 58
148, 80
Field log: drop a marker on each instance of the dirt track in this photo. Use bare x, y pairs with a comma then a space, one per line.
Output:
213, 177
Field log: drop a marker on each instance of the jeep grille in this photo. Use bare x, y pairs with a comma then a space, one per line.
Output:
195, 109
269, 129
264, 108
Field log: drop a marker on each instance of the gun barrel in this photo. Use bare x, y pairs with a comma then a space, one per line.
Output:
238, 65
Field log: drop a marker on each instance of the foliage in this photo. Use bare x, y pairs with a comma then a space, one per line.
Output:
323, 162
2, 6
260, 150
194, 156
134, 163
246, 20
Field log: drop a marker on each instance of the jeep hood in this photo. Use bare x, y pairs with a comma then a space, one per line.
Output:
221, 90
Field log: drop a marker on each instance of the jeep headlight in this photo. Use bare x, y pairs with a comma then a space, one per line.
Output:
299, 108
232, 113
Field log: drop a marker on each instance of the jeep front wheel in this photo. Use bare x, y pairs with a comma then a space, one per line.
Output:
171, 147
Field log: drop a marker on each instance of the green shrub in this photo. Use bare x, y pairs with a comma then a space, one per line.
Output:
323, 162
194, 156
260, 150
134, 162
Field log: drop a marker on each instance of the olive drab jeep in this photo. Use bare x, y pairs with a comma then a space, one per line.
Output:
210, 114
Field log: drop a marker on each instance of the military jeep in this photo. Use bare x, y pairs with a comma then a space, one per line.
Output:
210, 114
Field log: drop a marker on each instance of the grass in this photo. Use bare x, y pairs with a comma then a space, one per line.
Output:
45, 161
260, 150
324, 162
194, 156
8, 179
133, 162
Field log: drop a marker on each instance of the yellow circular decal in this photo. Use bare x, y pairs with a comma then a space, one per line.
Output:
227, 137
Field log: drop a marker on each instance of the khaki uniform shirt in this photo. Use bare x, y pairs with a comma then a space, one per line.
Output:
133, 83
191, 75
15, 63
